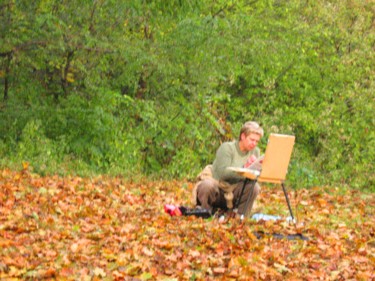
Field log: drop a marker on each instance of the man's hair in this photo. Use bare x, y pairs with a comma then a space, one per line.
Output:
251, 127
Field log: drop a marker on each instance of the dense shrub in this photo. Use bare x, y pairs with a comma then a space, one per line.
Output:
141, 88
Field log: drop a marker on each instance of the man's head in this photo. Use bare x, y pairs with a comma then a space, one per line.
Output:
250, 135
251, 127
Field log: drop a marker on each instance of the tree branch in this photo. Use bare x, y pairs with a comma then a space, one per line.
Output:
64, 82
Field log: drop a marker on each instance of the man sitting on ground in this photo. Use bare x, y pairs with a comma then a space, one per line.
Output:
225, 186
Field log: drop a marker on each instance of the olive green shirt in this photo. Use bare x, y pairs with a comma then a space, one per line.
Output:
230, 155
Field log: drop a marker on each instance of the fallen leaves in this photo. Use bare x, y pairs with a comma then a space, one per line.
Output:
109, 229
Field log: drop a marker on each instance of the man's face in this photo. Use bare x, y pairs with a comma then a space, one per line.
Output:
250, 142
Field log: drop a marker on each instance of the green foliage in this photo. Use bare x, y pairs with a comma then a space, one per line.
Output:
35, 148
153, 87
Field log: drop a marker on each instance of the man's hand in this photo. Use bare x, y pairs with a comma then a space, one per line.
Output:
250, 161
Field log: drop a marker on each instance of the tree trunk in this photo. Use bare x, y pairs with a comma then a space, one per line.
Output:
9, 57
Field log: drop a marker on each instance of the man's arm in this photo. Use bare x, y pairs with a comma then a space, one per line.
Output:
224, 159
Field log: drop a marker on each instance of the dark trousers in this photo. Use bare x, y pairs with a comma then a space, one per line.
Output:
210, 195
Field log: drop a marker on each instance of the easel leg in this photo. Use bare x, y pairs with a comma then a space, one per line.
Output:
248, 198
237, 203
287, 201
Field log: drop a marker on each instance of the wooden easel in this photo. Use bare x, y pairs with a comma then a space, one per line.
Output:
274, 167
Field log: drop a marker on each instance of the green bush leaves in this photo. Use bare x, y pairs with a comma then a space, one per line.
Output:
154, 88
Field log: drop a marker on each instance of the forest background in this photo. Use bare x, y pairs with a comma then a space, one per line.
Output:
151, 88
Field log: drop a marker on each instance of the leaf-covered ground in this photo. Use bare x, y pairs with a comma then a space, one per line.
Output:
108, 229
